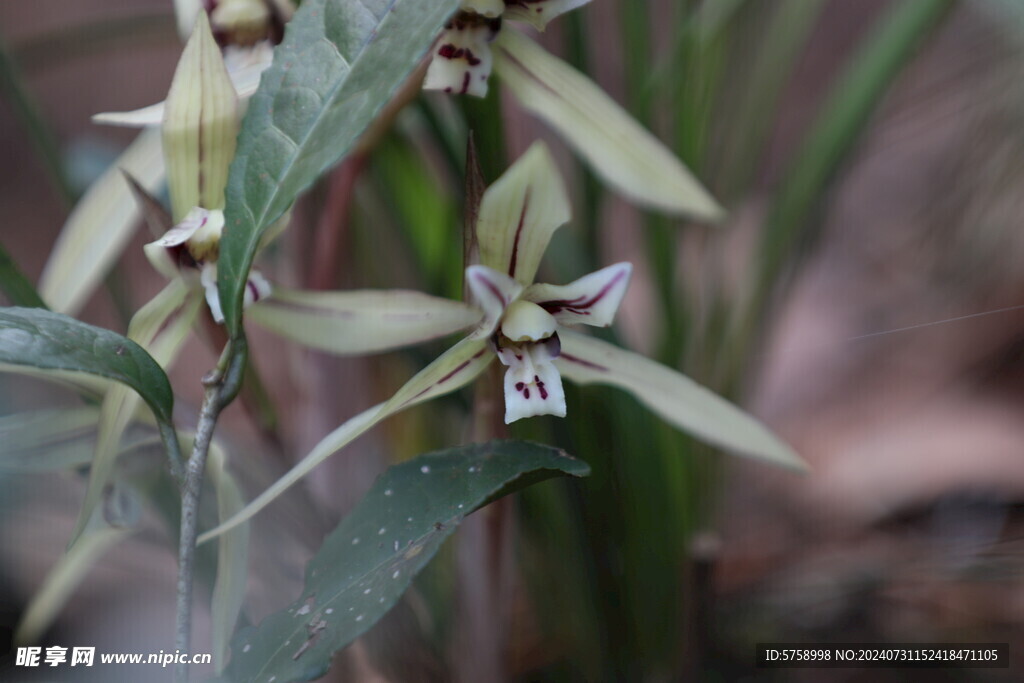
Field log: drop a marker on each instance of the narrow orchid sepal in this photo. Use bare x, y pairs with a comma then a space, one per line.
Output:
361, 321
161, 327
618, 148
99, 227
453, 370
245, 67
200, 125
538, 13
520, 212
591, 300
673, 396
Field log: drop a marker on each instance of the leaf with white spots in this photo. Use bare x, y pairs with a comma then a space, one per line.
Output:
370, 559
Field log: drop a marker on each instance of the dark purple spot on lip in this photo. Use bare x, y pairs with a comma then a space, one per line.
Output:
540, 388
526, 393
465, 83
519, 386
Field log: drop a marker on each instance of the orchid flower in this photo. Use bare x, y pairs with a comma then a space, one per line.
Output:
200, 126
477, 40
102, 222
528, 328
246, 30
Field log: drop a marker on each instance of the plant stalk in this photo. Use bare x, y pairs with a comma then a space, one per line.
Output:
222, 385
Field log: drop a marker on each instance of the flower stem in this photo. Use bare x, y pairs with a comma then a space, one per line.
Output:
222, 385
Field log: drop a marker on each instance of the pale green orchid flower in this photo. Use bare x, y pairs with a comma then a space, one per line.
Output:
528, 328
617, 148
198, 133
101, 224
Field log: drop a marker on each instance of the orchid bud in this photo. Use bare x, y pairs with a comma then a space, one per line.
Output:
245, 22
487, 8
200, 125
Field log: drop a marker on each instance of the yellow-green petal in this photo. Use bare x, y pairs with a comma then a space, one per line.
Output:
671, 395
200, 125
99, 227
520, 212
160, 327
454, 369
618, 148
360, 321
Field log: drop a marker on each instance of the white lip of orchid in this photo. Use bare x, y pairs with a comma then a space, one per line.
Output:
533, 385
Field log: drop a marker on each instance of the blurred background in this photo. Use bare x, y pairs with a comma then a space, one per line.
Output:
864, 297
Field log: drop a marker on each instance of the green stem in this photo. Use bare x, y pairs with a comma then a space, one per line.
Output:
222, 386
483, 118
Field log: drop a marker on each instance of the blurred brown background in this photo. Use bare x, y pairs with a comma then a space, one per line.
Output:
909, 525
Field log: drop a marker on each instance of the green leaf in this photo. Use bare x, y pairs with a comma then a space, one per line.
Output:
51, 341
15, 285
340, 63
368, 562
